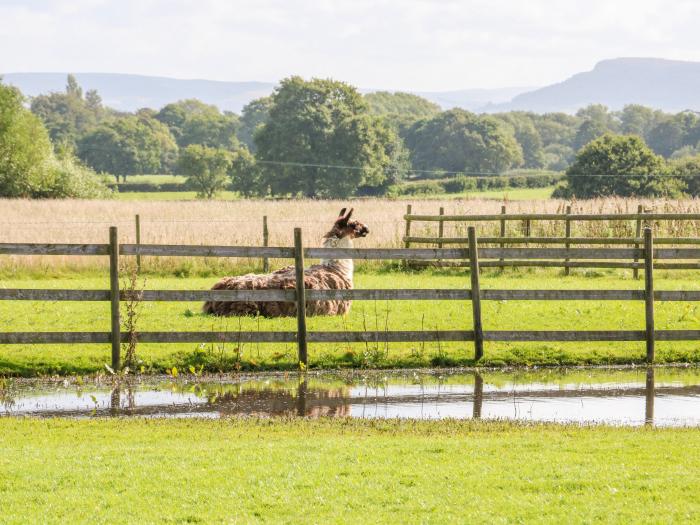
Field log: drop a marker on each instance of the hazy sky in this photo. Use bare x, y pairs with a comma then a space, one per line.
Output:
393, 44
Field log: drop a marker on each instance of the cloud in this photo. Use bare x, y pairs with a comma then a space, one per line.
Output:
409, 44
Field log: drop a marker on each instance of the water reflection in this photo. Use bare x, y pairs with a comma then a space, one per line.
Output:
659, 397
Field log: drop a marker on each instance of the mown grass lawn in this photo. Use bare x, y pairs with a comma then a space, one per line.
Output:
365, 315
344, 471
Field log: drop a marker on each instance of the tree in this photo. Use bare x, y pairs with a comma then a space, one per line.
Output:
253, 117
68, 115
319, 141
245, 174
459, 141
527, 136
192, 121
28, 166
687, 170
639, 120
128, 145
618, 165
206, 169
556, 128
398, 103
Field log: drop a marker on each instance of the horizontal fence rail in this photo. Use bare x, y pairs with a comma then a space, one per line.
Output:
563, 259
641, 254
555, 217
289, 296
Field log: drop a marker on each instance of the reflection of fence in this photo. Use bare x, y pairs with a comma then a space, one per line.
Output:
302, 337
569, 219
314, 401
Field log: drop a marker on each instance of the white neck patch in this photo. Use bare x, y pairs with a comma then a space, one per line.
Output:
345, 265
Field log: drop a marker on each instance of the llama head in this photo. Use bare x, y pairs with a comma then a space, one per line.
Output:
345, 228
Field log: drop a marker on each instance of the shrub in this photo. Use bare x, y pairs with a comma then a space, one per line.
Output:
459, 184
427, 187
517, 182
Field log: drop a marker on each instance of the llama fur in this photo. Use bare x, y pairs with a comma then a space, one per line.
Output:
330, 274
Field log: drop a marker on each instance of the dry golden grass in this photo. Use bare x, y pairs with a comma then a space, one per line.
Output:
240, 222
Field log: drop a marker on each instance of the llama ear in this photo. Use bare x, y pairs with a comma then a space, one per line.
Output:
341, 215
347, 217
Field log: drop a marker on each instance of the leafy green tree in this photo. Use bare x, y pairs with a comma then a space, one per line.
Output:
639, 120
687, 170
319, 141
206, 169
527, 136
253, 117
192, 121
28, 166
556, 128
459, 141
68, 115
666, 137
618, 165
398, 103
128, 145
558, 157
245, 174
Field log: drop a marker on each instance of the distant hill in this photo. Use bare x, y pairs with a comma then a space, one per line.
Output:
472, 99
132, 92
670, 85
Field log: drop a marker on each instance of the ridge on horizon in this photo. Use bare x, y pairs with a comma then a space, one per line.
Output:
670, 85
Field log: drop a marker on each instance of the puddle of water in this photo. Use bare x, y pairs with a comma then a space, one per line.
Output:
662, 397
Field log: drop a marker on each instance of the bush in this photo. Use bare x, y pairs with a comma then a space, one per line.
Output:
517, 182
492, 183
459, 184
428, 187
150, 187
542, 181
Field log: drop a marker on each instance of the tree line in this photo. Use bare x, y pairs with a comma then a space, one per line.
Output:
322, 138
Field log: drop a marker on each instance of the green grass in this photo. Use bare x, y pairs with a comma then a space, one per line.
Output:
154, 179
170, 196
344, 471
365, 315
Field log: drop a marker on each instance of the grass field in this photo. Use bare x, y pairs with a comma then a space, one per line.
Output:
365, 315
344, 471
155, 179
172, 196
509, 194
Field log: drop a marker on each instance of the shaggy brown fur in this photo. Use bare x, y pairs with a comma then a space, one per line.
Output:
329, 275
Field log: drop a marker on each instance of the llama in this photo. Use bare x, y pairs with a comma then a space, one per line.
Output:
330, 274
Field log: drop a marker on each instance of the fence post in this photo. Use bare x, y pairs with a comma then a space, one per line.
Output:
476, 295
114, 296
441, 227
266, 241
503, 233
407, 244
137, 222
637, 234
301, 296
527, 228
567, 228
649, 292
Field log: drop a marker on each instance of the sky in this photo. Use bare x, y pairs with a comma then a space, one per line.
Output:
415, 45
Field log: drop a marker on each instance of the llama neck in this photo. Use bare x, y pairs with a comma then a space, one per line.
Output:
344, 265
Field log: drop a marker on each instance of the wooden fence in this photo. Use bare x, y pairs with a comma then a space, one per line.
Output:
568, 218
472, 254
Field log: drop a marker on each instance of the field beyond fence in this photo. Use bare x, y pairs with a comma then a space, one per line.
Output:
241, 223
